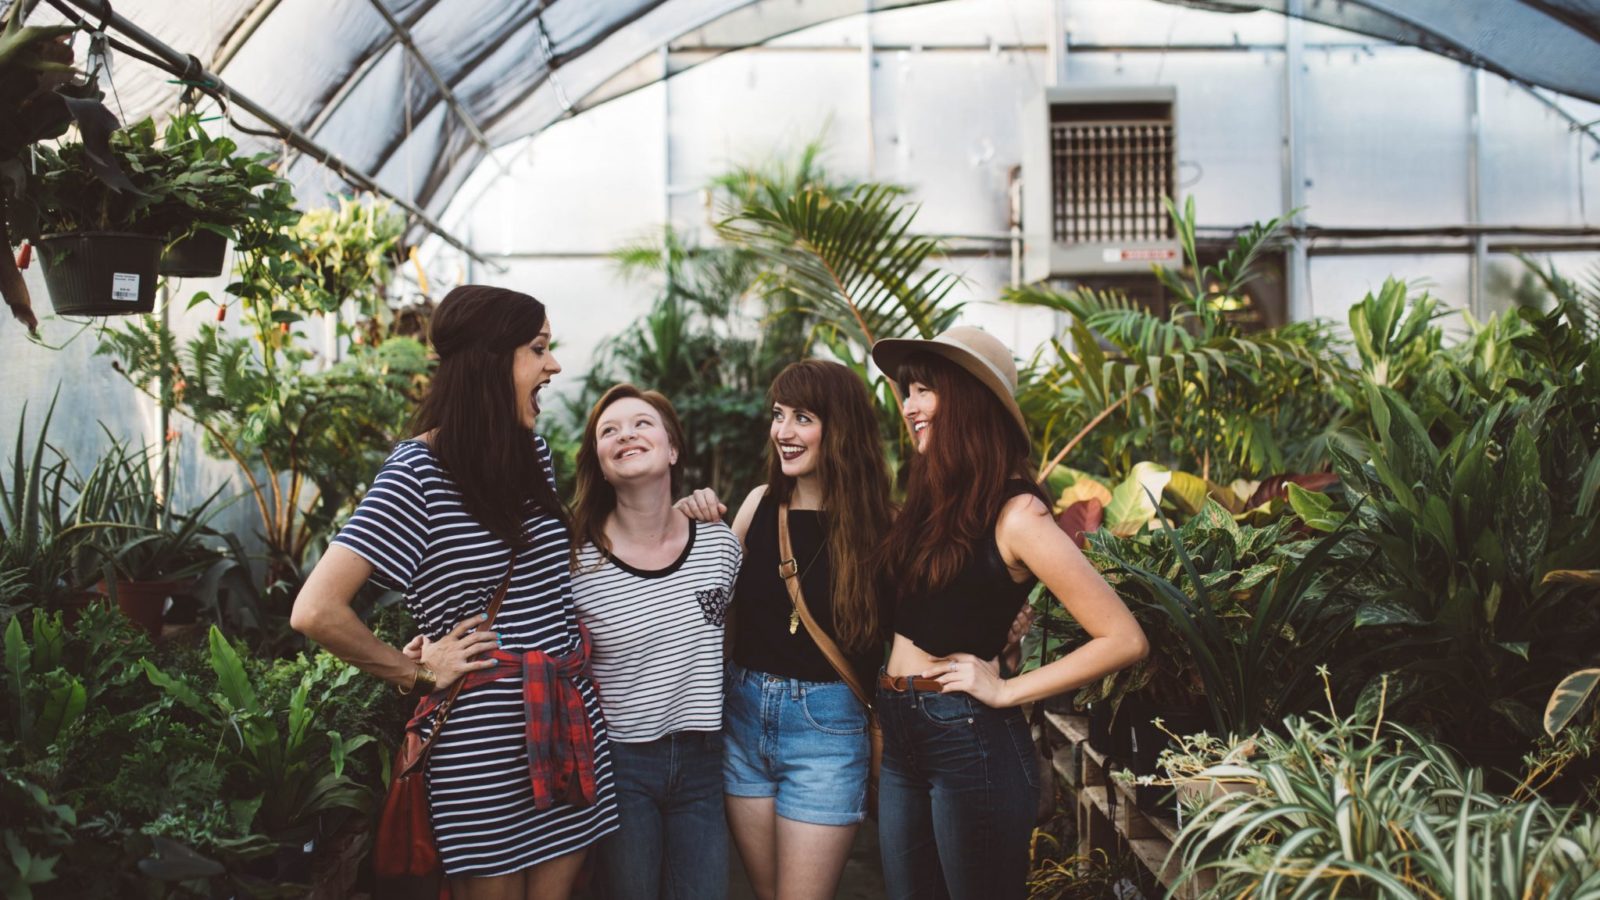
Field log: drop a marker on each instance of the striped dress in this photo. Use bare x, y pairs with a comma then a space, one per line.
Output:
411, 526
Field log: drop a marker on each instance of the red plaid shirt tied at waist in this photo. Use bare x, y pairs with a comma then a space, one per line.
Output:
559, 737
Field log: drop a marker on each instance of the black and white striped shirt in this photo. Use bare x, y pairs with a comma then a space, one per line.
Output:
412, 527
658, 634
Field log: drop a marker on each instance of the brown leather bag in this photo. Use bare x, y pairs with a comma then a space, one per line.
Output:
789, 571
405, 860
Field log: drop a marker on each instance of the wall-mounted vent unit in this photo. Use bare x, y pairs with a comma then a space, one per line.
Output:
1096, 164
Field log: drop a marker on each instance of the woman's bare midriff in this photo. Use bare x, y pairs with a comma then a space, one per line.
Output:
906, 658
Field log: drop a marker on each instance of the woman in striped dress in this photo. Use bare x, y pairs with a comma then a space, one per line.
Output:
653, 589
469, 502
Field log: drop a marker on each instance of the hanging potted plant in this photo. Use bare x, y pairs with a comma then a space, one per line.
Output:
101, 242
41, 95
218, 190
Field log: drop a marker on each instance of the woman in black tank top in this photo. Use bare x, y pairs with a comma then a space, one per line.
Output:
959, 784
796, 748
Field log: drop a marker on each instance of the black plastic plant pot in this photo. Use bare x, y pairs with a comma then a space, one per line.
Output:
200, 255
100, 273
1149, 741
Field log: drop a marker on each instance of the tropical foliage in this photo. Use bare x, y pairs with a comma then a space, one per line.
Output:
1359, 806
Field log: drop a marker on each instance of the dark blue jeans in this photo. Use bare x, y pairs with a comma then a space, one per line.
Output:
956, 797
673, 838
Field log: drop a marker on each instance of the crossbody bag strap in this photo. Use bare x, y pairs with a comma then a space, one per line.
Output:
443, 711
789, 571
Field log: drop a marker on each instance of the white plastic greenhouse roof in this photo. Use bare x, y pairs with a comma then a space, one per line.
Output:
416, 92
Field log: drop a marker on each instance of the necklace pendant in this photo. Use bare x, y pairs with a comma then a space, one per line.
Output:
794, 621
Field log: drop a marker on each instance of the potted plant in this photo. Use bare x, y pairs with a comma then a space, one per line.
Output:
219, 192
41, 95
101, 240
148, 553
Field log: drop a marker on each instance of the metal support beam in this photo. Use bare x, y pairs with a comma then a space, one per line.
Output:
1476, 301
1298, 274
180, 62
403, 35
242, 32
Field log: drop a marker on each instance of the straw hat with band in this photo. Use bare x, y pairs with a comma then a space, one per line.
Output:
977, 351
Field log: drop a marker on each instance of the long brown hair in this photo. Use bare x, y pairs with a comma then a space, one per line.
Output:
596, 498
955, 486
855, 486
471, 408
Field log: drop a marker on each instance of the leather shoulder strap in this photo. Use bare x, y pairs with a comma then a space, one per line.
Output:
789, 571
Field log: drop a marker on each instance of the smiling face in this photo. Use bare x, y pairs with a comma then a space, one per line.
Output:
531, 369
631, 442
797, 437
920, 406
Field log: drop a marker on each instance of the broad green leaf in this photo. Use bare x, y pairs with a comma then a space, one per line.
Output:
17, 659
1568, 698
1386, 612
47, 641
62, 706
1131, 508
231, 677
178, 690
1086, 487
1525, 513
1314, 508
1187, 491
1520, 648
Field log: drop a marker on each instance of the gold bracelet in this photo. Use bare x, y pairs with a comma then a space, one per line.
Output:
407, 690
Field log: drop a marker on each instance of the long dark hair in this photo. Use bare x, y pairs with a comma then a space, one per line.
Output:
472, 408
596, 498
855, 487
955, 486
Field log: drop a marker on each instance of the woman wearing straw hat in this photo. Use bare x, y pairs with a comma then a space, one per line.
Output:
959, 783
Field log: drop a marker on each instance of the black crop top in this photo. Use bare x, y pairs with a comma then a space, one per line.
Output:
761, 638
974, 611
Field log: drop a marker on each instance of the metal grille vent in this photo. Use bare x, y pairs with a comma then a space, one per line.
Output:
1108, 178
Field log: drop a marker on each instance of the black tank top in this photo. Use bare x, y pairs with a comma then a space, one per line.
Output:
973, 612
761, 638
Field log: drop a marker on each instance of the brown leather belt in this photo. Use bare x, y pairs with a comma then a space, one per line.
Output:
905, 683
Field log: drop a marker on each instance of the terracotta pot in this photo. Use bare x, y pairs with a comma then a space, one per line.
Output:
145, 601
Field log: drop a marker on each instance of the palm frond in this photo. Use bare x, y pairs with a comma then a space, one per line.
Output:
854, 263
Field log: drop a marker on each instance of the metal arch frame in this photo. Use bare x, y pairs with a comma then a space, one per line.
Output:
554, 63
441, 173
293, 136
241, 33
403, 34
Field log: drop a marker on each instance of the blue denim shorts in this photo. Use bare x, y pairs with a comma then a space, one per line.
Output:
801, 742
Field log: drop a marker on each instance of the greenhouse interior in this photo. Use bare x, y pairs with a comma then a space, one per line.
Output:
1265, 519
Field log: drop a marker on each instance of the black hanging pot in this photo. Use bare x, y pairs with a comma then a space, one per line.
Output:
100, 273
200, 255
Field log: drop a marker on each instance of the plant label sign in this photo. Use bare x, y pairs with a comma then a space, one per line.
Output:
125, 286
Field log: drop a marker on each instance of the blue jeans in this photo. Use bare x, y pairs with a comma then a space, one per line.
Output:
803, 743
956, 798
673, 839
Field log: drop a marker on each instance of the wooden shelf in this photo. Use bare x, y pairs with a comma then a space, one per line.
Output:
1102, 824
